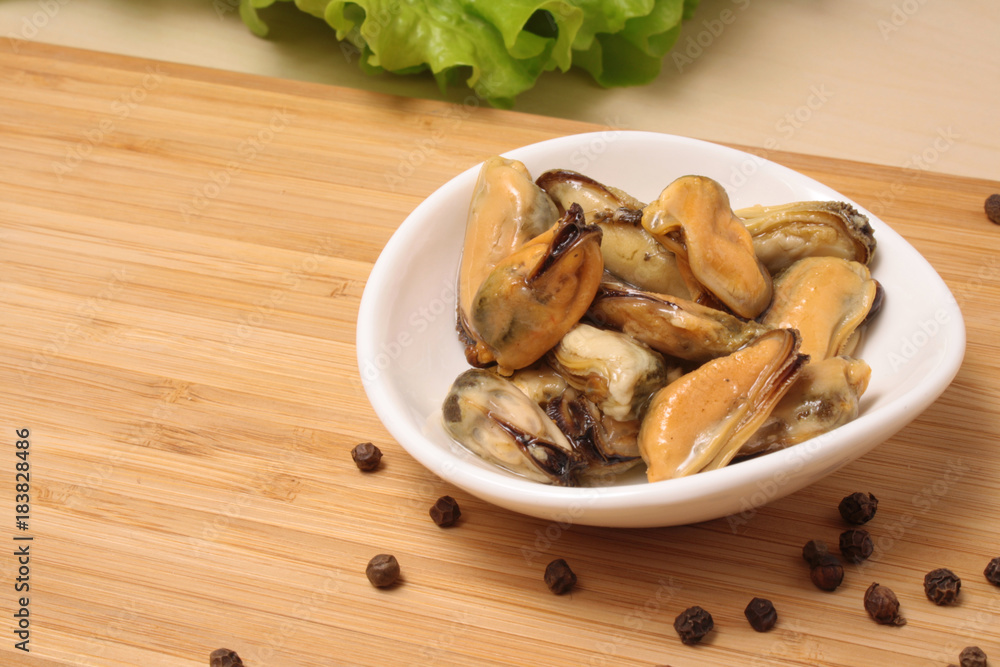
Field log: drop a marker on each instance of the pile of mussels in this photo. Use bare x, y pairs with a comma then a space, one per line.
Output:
680, 333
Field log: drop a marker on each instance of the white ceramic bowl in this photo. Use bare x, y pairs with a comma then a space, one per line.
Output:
409, 354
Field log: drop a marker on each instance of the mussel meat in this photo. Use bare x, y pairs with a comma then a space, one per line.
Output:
495, 420
612, 369
670, 325
826, 395
567, 187
608, 446
704, 418
506, 211
826, 299
539, 382
537, 293
630, 252
789, 232
692, 218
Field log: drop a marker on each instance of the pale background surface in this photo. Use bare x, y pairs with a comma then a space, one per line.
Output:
886, 79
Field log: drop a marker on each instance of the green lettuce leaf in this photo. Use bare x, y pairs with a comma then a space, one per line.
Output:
500, 46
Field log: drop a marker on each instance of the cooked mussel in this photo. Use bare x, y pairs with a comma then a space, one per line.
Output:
608, 446
567, 187
692, 218
537, 293
670, 325
787, 233
495, 420
826, 299
826, 395
539, 382
630, 252
704, 418
612, 369
506, 211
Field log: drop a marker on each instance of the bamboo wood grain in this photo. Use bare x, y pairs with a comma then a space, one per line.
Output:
182, 254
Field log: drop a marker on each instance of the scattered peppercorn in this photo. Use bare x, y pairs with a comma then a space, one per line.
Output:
445, 511
992, 208
383, 570
812, 551
693, 624
558, 577
942, 586
882, 605
827, 572
992, 571
858, 508
223, 657
761, 614
367, 456
972, 656
856, 545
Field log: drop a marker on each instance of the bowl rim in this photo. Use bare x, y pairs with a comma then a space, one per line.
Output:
836, 448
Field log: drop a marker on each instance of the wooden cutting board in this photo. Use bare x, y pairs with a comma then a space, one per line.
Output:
183, 253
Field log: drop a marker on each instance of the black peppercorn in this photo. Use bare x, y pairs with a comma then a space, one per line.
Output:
992, 208
827, 572
972, 656
858, 508
992, 571
367, 456
445, 511
761, 614
383, 570
223, 657
942, 586
856, 545
558, 577
882, 605
693, 624
812, 551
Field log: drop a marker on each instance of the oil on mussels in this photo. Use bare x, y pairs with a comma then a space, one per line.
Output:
607, 333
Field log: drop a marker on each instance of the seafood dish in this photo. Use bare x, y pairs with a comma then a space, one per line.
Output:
603, 333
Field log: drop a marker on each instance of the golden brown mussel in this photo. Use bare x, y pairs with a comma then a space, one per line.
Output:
703, 419
506, 211
790, 232
567, 187
826, 299
826, 395
630, 252
693, 219
537, 293
677, 327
